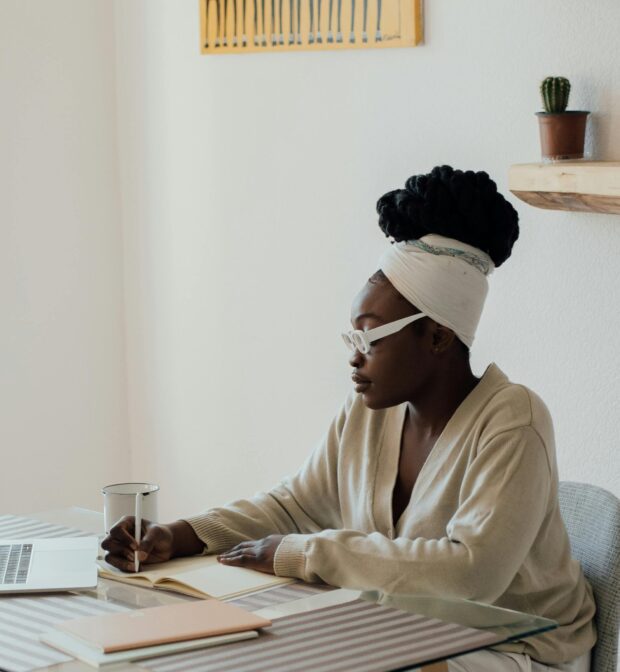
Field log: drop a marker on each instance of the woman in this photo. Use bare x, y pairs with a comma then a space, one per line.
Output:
430, 480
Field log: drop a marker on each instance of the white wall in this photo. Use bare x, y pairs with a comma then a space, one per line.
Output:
249, 185
63, 408
248, 193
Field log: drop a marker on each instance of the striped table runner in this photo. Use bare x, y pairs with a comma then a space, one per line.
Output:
358, 635
23, 617
278, 595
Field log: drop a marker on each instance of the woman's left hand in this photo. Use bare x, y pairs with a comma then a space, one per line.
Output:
256, 554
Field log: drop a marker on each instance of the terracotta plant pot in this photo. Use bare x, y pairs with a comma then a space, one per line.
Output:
562, 134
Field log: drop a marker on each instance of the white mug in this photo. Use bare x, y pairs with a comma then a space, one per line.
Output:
120, 500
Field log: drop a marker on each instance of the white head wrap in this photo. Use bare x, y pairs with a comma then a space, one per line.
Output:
442, 277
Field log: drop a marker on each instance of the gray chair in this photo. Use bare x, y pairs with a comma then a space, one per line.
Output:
592, 518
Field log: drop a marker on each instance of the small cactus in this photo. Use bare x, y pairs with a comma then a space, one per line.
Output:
555, 92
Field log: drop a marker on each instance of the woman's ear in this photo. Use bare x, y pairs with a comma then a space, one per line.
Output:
442, 338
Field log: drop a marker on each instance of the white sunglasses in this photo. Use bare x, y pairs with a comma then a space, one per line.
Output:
361, 340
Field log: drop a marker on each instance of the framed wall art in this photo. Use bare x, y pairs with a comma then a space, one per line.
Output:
243, 26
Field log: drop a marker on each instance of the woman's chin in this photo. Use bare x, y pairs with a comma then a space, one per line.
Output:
371, 402
374, 402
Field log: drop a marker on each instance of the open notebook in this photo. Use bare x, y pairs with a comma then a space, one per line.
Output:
198, 576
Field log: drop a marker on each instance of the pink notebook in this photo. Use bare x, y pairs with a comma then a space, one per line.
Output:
161, 625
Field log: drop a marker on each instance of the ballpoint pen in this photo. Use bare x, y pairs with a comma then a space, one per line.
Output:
138, 520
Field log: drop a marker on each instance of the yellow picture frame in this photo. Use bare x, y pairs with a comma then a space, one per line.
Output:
250, 26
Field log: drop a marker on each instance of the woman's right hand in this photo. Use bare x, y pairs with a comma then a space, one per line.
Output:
156, 545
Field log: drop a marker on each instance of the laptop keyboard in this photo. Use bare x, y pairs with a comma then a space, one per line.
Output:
14, 563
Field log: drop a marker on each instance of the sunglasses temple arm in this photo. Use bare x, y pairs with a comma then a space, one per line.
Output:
391, 328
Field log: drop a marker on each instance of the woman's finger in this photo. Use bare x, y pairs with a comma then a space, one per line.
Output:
249, 548
121, 535
232, 554
239, 557
240, 551
119, 563
243, 545
150, 540
114, 548
239, 561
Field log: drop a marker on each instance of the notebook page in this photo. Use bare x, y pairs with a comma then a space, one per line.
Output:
160, 570
221, 581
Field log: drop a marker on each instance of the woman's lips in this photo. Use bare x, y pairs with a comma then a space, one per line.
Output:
360, 383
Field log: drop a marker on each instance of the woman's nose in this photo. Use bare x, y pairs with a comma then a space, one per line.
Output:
356, 359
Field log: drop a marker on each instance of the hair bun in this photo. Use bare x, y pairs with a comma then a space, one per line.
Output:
464, 205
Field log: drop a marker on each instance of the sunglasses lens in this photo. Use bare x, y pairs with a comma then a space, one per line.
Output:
354, 340
348, 342
360, 342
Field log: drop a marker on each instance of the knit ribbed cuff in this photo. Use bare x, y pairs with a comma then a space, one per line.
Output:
215, 536
290, 556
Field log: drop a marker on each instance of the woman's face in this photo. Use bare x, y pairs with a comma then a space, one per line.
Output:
398, 366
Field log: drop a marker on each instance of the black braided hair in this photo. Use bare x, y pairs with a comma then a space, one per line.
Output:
464, 205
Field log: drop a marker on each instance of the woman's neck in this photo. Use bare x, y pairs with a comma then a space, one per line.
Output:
438, 401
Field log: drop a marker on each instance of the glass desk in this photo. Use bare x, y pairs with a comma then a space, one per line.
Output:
505, 624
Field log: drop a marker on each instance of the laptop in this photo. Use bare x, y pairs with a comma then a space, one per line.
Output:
45, 565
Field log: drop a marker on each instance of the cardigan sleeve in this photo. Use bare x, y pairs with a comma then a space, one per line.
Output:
304, 503
502, 505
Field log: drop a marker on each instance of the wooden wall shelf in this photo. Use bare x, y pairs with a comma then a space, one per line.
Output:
585, 186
